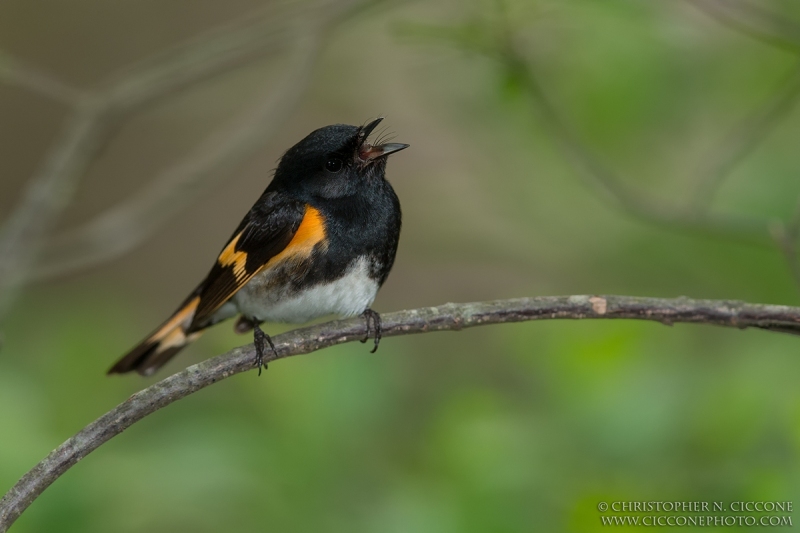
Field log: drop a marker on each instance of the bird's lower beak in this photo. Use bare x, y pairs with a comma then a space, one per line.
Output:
369, 152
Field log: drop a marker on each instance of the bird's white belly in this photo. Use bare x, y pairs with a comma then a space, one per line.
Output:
348, 296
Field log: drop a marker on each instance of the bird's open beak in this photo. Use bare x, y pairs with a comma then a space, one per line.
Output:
367, 152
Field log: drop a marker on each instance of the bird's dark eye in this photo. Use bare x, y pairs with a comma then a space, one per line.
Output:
333, 164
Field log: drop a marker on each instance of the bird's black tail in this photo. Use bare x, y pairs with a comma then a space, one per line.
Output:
169, 339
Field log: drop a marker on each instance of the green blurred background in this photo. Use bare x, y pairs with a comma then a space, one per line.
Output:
511, 428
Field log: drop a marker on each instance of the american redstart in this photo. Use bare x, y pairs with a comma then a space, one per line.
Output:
320, 240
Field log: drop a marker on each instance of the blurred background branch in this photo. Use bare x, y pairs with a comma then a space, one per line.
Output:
742, 140
787, 236
610, 187
16, 72
448, 317
754, 20
47, 194
494, 37
120, 228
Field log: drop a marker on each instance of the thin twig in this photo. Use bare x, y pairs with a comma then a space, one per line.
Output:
443, 318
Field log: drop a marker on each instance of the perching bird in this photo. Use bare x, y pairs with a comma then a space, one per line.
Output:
320, 240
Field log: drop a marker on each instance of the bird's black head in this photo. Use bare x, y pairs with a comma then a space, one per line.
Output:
334, 162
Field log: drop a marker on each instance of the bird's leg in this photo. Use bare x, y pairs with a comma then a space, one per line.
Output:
372, 317
261, 340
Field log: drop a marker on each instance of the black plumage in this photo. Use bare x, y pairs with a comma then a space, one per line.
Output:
320, 240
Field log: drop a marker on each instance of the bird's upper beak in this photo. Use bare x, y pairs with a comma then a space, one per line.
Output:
367, 152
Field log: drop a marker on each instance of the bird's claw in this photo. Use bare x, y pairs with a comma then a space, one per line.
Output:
374, 319
261, 340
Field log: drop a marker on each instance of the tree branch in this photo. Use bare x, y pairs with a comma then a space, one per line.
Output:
443, 318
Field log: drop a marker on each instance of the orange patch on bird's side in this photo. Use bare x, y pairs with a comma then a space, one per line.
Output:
310, 233
237, 258
182, 318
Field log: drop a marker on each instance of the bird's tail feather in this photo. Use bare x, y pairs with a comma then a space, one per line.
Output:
169, 339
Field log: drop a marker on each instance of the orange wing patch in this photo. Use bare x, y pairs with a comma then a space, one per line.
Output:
231, 271
230, 256
310, 233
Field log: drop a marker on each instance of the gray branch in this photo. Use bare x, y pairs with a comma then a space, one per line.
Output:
447, 317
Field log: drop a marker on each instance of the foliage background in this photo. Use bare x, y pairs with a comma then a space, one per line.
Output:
506, 428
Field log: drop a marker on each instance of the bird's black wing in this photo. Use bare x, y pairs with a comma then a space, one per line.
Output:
265, 233
276, 227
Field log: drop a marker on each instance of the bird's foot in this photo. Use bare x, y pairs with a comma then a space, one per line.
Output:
373, 319
261, 340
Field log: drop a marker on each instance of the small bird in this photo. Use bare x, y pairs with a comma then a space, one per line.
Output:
320, 240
